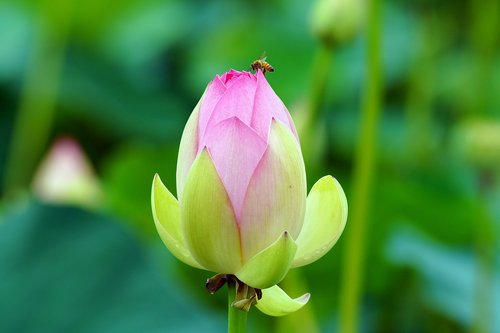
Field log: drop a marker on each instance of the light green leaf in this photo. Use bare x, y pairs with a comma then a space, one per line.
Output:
208, 219
270, 266
275, 302
276, 196
326, 216
168, 222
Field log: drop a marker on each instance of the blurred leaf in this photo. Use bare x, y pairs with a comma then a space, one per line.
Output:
100, 100
399, 31
128, 176
6, 121
437, 201
16, 34
143, 33
449, 275
245, 32
63, 269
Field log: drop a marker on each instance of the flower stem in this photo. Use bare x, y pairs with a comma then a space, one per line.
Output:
38, 98
365, 163
309, 129
237, 319
321, 71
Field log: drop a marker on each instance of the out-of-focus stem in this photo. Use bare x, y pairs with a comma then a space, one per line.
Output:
321, 71
310, 130
483, 39
39, 94
236, 318
420, 95
308, 133
354, 251
485, 251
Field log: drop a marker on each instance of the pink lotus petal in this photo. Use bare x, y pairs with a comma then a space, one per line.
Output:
237, 101
229, 75
267, 105
234, 123
232, 74
275, 199
66, 176
211, 97
235, 150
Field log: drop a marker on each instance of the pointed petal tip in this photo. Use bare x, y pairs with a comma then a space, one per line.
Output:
156, 176
275, 302
303, 299
269, 266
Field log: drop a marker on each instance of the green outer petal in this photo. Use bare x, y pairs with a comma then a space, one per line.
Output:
326, 216
276, 196
208, 219
187, 149
270, 265
168, 222
275, 302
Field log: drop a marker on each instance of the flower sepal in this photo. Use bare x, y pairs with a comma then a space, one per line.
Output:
275, 302
269, 266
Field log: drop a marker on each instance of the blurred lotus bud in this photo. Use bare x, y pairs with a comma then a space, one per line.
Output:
337, 21
66, 176
479, 143
241, 186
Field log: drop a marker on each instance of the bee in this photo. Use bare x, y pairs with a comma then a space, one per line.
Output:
262, 64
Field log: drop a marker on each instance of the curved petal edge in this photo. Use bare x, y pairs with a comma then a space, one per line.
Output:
167, 219
187, 148
269, 266
325, 219
275, 302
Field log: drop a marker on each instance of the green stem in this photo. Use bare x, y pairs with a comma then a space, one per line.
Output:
310, 135
237, 319
420, 94
354, 252
321, 71
485, 18
484, 273
38, 99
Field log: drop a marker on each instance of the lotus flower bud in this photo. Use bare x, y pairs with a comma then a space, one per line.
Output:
478, 141
241, 187
66, 176
337, 21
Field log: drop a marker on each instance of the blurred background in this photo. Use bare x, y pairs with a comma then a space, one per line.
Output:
399, 100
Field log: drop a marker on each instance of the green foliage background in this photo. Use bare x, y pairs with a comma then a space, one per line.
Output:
121, 78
